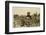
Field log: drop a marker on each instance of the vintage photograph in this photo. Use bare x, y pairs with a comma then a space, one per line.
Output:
26, 17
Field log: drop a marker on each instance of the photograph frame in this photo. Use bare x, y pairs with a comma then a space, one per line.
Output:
7, 16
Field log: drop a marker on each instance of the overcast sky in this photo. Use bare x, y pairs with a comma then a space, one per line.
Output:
24, 10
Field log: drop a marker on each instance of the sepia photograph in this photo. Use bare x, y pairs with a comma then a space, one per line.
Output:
26, 16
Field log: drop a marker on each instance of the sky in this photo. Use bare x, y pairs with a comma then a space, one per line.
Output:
24, 10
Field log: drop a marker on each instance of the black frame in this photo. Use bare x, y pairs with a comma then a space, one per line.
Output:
7, 16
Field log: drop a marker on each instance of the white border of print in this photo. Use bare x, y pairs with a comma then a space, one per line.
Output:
11, 29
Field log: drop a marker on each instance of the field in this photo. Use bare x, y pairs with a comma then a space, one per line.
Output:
26, 21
